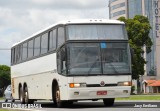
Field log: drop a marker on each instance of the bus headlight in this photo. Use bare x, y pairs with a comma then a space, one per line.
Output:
128, 83
76, 85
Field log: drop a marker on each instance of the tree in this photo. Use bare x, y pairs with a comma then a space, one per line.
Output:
138, 30
5, 77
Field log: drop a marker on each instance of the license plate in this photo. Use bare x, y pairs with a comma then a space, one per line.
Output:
101, 92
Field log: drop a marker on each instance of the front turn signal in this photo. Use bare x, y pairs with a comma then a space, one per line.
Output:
127, 83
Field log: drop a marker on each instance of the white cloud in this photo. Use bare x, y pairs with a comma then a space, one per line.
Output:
22, 18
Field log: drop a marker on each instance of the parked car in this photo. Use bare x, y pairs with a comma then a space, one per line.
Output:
8, 94
1, 92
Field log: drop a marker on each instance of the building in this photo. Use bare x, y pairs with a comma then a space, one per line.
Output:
151, 9
118, 8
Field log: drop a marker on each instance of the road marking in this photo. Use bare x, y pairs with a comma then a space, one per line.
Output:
23, 109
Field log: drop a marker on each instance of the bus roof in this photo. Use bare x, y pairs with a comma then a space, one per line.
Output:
76, 21
92, 21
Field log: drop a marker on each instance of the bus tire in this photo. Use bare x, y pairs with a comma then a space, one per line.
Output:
59, 103
69, 102
26, 97
108, 101
21, 96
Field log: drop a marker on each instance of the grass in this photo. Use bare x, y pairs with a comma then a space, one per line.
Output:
133, 97
9, 110
141, 97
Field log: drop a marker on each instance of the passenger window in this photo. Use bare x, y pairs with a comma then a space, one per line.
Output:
18, 53
30, 49
13, 56
52, 40
61, 36
44, 43
37, 46
61, 61
24, 53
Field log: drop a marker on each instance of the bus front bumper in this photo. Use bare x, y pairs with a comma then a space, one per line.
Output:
89, 93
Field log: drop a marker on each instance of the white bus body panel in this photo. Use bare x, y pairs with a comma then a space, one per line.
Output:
91, 92
38, 74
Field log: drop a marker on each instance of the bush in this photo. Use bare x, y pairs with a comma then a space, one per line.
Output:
1, 92
133, 89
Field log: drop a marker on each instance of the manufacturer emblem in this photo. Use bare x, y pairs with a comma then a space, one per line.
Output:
102, 83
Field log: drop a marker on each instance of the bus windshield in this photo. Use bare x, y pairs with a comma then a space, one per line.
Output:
96, 32
98, 58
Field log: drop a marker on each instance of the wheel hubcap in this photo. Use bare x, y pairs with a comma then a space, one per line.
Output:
21, 98
57, 96
26, 96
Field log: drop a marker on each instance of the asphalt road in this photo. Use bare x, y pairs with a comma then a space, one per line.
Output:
97, 106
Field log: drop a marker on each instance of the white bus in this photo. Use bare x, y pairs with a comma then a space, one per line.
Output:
72, 61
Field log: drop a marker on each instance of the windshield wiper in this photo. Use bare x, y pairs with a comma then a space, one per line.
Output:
110, 63
94, 63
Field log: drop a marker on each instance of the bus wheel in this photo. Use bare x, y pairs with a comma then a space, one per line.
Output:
108, 101
21, 96
69, 102
26, 95
58, 101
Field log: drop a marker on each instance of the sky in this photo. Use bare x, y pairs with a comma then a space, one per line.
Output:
20, 19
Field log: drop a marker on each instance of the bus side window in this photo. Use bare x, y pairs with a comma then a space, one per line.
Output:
44, 43
13, 56
24, 52
37, 46
61, 38
30, 49
61, 61
52, 40
18, 53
